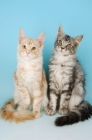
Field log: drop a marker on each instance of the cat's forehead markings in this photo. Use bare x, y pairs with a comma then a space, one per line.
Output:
30, 41
67, 38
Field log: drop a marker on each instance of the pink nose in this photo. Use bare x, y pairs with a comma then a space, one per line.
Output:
27, 53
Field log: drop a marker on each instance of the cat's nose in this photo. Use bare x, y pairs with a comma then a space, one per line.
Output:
27, 53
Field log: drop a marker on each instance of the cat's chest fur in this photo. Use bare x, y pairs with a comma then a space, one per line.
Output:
61, 69
29, 72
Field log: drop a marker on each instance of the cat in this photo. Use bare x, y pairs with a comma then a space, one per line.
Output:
67, 82
30, 81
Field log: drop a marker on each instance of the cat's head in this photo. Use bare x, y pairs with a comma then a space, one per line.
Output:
29, 48
66, 44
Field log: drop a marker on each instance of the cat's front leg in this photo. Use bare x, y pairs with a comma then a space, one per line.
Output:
37, 101
24, 95
51, 108
21, 96
64, 100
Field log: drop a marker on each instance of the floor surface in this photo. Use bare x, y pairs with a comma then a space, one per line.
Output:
44, 129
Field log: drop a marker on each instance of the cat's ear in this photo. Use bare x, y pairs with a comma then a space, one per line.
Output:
22, 35
60, 32
78, 39
40, 39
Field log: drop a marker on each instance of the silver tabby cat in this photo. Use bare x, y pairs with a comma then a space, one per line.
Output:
66, 82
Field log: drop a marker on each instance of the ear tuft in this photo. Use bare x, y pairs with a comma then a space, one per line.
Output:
78, 39
60, 31
40, 39
22, 35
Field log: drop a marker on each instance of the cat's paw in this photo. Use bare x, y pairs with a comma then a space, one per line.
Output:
49, 111
63, 111
37, 115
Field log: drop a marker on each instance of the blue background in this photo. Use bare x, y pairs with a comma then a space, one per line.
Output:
36, 16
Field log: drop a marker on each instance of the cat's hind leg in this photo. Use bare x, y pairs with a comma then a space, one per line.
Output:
76, 97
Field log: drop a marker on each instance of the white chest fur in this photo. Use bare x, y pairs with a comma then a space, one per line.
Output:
29, 72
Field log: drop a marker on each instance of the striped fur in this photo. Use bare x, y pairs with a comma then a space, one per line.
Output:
8, 113
30, 81
81, 113
67, 81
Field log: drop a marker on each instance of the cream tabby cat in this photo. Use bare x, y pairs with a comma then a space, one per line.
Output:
30, 81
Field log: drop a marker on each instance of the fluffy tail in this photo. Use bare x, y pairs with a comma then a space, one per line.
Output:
8, 113
82, 113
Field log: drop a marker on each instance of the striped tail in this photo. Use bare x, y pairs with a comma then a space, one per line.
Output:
82, 113
8, 113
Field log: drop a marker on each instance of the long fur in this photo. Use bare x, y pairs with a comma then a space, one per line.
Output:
82, 113
67, 82
30, 81
8, 113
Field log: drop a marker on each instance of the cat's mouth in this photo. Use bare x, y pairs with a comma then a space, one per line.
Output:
27, 56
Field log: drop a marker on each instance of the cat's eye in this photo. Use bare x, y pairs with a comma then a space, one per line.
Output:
60, 42
33, 48
24, 46
69, 45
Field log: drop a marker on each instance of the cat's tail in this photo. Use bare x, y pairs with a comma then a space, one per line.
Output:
8, 113
82, 113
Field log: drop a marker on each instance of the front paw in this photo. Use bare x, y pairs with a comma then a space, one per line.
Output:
37, 114
63, 111
49, 111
